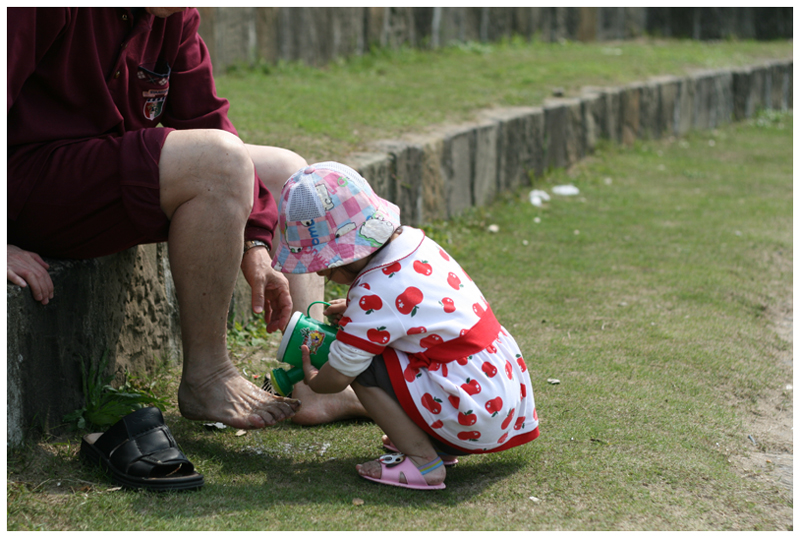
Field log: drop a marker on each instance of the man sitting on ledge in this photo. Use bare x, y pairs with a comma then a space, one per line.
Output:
91, 173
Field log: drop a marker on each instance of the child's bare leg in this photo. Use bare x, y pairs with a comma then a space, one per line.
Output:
408, 437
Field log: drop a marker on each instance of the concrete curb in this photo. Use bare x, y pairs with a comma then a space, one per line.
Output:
125, 304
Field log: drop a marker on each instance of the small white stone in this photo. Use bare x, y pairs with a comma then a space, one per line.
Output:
493, 228
537, 220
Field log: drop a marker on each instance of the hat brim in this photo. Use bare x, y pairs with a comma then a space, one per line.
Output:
340, 251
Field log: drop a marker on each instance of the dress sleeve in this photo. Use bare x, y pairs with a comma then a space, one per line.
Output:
369, 323
348, 360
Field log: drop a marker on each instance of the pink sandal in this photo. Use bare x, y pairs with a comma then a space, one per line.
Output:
394, 464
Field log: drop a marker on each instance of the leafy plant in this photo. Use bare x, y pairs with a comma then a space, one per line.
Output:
251, 334
103, 404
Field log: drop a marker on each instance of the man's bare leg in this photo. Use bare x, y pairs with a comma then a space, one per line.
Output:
206, 190
274, 167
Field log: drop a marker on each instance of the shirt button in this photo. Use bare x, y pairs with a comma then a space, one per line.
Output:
124, 16
116, 75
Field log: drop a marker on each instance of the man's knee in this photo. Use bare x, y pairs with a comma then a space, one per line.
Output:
205, 163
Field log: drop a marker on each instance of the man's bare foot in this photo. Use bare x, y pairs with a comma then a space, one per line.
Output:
324, 408
373, 470
229, 398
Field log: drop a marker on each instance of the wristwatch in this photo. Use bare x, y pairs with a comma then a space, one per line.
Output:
254, 243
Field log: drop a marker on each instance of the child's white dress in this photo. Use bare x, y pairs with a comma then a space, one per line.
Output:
455, 370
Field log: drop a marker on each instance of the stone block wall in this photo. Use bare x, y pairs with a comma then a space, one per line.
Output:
125, 304
319, 35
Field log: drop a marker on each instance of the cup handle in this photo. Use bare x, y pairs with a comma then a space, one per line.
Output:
308, 310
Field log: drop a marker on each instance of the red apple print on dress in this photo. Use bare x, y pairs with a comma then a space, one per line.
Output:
489, 369
508, 419
535, 416
416, 330
407, 301
491, 349
438, 424
410, 374
431, 404
370, 303
444, 255
478, 309
434, 366
502, 438
521, 363
509, 370
463, 361
344, 321
454, 281
379, 335
454, 401
423, 267
364, 285
471, 387
467, 419
391, 269
449, 306
468, 436
523, 390
463, 332
519, 423
430, 341
495, 405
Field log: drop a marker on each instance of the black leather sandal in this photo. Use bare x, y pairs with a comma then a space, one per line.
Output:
140, 452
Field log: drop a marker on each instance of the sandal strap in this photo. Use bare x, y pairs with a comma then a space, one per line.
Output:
141, 444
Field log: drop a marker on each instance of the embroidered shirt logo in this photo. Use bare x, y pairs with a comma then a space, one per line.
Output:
154, 103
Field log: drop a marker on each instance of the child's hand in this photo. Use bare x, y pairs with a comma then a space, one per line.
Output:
335, 310
308, 369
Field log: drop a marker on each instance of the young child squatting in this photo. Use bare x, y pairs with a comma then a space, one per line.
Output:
417, 340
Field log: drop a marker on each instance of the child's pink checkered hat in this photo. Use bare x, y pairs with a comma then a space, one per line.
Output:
328, 216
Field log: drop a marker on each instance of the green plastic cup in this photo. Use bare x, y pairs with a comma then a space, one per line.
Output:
302, 329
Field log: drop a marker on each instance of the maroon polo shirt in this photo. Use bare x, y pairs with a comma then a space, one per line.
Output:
81, 73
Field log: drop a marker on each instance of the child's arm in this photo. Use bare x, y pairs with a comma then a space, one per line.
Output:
326, 380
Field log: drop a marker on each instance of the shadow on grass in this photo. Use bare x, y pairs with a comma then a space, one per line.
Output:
246, 479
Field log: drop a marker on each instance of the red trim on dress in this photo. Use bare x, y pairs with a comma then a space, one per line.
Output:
407, 403
360, 343
478, 338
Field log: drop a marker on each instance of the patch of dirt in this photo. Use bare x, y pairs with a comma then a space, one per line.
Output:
771, 427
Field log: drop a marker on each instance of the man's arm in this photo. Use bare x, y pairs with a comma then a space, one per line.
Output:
31, 32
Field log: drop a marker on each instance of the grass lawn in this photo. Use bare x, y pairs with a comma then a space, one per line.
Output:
653, 297
330, 112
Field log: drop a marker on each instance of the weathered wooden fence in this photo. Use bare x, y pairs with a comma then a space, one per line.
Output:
317, 35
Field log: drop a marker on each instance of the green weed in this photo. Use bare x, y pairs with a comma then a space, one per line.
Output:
104, 405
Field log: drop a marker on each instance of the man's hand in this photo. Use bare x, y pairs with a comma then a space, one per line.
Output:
270, 289
28, 268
